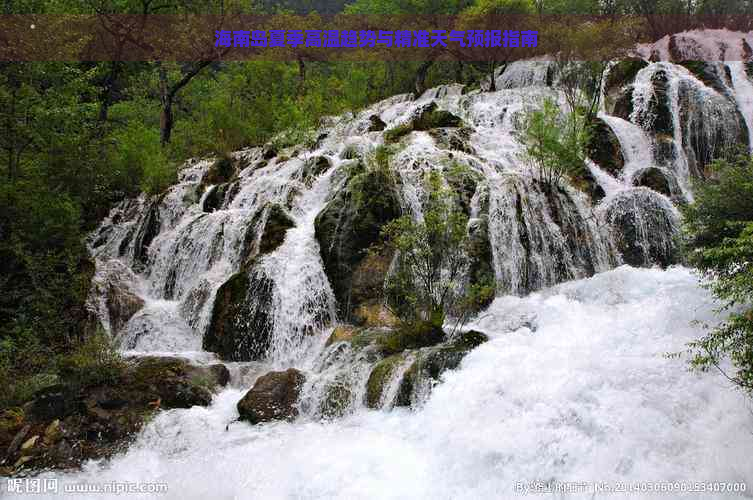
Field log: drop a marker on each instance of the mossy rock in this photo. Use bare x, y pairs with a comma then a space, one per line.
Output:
434, 362
240, 327
654, 178
379, 377
376, 124
411, 336
623, 73
341, 333
278, 223
338, 397
604, 148
222, 170
429, 117
398, 131
273, 397
455, 139
348, 226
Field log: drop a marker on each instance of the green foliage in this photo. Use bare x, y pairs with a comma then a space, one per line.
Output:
555, 144
93, 360
719, 230
431, 255
398, 131
411, 335
141, 159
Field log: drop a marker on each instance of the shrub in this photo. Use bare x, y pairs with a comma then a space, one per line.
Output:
555, 143
426, 285
719, 231
92, 361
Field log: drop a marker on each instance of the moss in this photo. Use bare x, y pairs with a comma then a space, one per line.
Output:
378, 378
604, 148
337, 399
221, 171
411, 336
278, 223
398, 131
623, 72
430, 117
341, 333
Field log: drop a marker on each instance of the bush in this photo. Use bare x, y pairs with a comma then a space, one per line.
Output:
92, 361
719, 231
426, 285
555, 143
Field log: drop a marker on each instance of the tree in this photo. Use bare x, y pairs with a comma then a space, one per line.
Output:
426, 285
555, 142
719, 235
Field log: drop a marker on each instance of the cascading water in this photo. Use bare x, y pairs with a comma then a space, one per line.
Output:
573, 384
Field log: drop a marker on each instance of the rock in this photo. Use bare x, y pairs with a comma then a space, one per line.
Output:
430, 365
176, 382
455, 139
53, 434
341, 333
114, 283
15, 443
149, 226
374, 313
425, 118
656, 179
269, 151
347, 227
222, 171
55, 402
313, 168
376, 124
380, 375
215, 198
29, 443
645, 226
604, 148
241, 326
429, 117
273, 397
411, 336
338, 397
278, 223
623, 73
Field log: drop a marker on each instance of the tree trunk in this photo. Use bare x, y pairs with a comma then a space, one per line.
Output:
301, 76
166, 120
423, 70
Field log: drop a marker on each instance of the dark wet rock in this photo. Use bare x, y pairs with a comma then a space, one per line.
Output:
456, 139
148, 228
313, 168
114, 283
656, 179
215, 198
241, 326
273, 397
69, 423
347, 227
376, 124
623, 103
269, 151
425, 118
278, 223
710, 74
623, 73
431, 364
412, 335
221, 171
604, 148
480, 269
645, 227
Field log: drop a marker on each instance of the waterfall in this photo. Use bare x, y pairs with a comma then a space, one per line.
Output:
743, 88
634, 144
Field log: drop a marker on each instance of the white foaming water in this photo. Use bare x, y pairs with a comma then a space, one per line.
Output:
582, 392
743, 95
634, 145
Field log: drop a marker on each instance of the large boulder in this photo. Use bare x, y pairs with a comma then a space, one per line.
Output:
645, 226
73, 421
278, 223
347, 227
114, 285
240, 327
273, 397
604, 148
